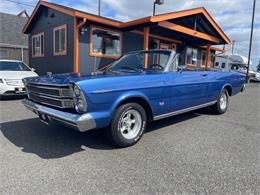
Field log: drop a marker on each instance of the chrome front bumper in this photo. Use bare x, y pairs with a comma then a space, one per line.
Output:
80, 122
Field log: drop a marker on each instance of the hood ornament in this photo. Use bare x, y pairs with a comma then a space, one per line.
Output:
49, 74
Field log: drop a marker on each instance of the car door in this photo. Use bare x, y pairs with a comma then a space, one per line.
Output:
187, 89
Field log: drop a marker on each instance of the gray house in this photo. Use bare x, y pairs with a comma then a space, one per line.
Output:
13, 43
63, 39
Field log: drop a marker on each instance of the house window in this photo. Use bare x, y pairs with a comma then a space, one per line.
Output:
223, 65
105, 43
60, 40
38, 45
191, 56
217, 64
203, 57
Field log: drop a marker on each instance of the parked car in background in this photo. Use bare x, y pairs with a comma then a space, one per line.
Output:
11, 74
137, 88
237, 63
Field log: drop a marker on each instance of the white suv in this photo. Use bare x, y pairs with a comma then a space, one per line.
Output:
11, 74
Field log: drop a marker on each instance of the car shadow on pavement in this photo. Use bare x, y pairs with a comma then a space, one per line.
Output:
56, 141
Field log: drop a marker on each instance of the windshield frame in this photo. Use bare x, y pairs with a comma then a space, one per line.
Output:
172, 55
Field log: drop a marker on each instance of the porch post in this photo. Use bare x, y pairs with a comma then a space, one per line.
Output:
146, 44
208, 56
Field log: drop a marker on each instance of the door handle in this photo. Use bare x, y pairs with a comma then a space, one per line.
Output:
204, 74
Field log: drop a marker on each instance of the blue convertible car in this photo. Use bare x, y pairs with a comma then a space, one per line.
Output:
137, 88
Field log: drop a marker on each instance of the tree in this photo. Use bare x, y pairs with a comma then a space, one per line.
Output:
258, 67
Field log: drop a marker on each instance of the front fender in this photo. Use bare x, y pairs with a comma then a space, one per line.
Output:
129, 95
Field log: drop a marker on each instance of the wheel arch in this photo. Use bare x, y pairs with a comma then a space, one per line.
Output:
139, 99
229, 89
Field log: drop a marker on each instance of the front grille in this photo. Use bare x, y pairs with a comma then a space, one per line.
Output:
56, 96
14, 82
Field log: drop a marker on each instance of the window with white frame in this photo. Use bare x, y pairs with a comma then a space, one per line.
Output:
105, 42
38, 45
191, 56
60, 40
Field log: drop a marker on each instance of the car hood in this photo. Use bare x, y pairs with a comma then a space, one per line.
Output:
16, 74
66, 78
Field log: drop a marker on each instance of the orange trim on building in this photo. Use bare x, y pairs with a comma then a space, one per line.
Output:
148, 19
188, 31
98, 19
146, 45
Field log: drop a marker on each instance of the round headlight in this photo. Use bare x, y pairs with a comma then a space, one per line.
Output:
76, 91
79, 100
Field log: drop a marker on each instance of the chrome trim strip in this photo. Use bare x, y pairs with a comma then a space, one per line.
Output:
183, 110
102, 91
81, 122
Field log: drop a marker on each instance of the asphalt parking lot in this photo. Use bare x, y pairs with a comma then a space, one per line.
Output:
194, 153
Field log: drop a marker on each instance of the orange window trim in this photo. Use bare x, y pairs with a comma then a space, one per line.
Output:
186, 56
64, 26
91, 53
43, 47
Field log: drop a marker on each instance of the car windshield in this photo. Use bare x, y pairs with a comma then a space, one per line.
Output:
140, 61
13, 66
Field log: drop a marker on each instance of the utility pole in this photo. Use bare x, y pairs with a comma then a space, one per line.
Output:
158, 2
233, 45
99, 7
250, 43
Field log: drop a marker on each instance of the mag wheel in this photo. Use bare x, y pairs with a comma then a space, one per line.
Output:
222, 103
128, 124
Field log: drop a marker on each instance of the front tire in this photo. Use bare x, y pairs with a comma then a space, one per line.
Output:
128, 125
222, 103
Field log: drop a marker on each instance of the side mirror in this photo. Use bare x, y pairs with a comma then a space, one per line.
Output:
32, 69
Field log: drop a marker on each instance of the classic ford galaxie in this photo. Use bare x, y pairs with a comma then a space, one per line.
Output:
137, 88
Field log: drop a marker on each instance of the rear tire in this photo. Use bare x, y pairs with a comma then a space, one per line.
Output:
222, 103
128, 125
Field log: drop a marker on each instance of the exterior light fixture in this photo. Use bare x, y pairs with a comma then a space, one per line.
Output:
157, 2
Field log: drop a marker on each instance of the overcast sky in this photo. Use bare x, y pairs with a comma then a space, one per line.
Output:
233, 16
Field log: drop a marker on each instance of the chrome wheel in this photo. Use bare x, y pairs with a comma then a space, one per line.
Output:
130, 124
223, 101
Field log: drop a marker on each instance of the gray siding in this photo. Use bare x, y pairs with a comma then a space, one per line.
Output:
45, 21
